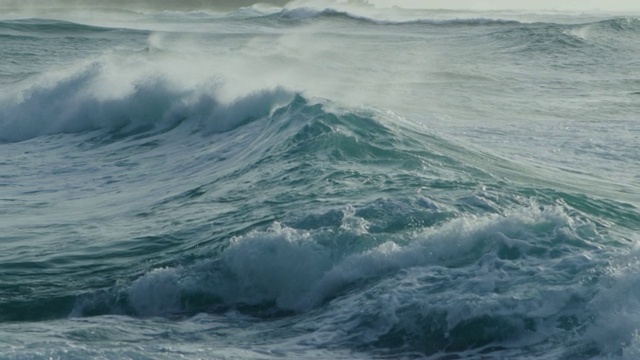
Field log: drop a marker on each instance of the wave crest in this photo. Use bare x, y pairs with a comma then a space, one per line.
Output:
95, 97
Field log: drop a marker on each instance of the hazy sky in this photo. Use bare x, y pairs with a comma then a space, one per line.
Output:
613, 5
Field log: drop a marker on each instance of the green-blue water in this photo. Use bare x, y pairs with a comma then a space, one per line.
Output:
305, 182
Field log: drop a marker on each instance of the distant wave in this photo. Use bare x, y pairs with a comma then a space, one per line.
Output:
608, 32
552, 38
617, 25
42, 27
303, 13
622, 24
135, 5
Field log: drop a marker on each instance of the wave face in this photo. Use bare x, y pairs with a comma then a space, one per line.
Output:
318, 181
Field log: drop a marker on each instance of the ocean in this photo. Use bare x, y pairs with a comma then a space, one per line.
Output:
318, 181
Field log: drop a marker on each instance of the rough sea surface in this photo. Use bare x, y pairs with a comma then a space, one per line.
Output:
318, 181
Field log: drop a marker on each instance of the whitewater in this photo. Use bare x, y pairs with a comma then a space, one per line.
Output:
318, 179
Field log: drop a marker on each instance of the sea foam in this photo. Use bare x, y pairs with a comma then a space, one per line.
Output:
297, 269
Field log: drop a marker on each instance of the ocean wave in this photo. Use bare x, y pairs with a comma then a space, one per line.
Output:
142, 5
618, 34
540, 39
487, 271
524, 280
48, 27
298, 270
462, 285
552, 37
621, 24
305, 13
255, 183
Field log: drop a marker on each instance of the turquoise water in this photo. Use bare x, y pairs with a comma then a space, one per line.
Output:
311, 182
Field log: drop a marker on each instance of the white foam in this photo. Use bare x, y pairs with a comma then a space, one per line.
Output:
616, 308
281, 265
299, 270
156, 293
